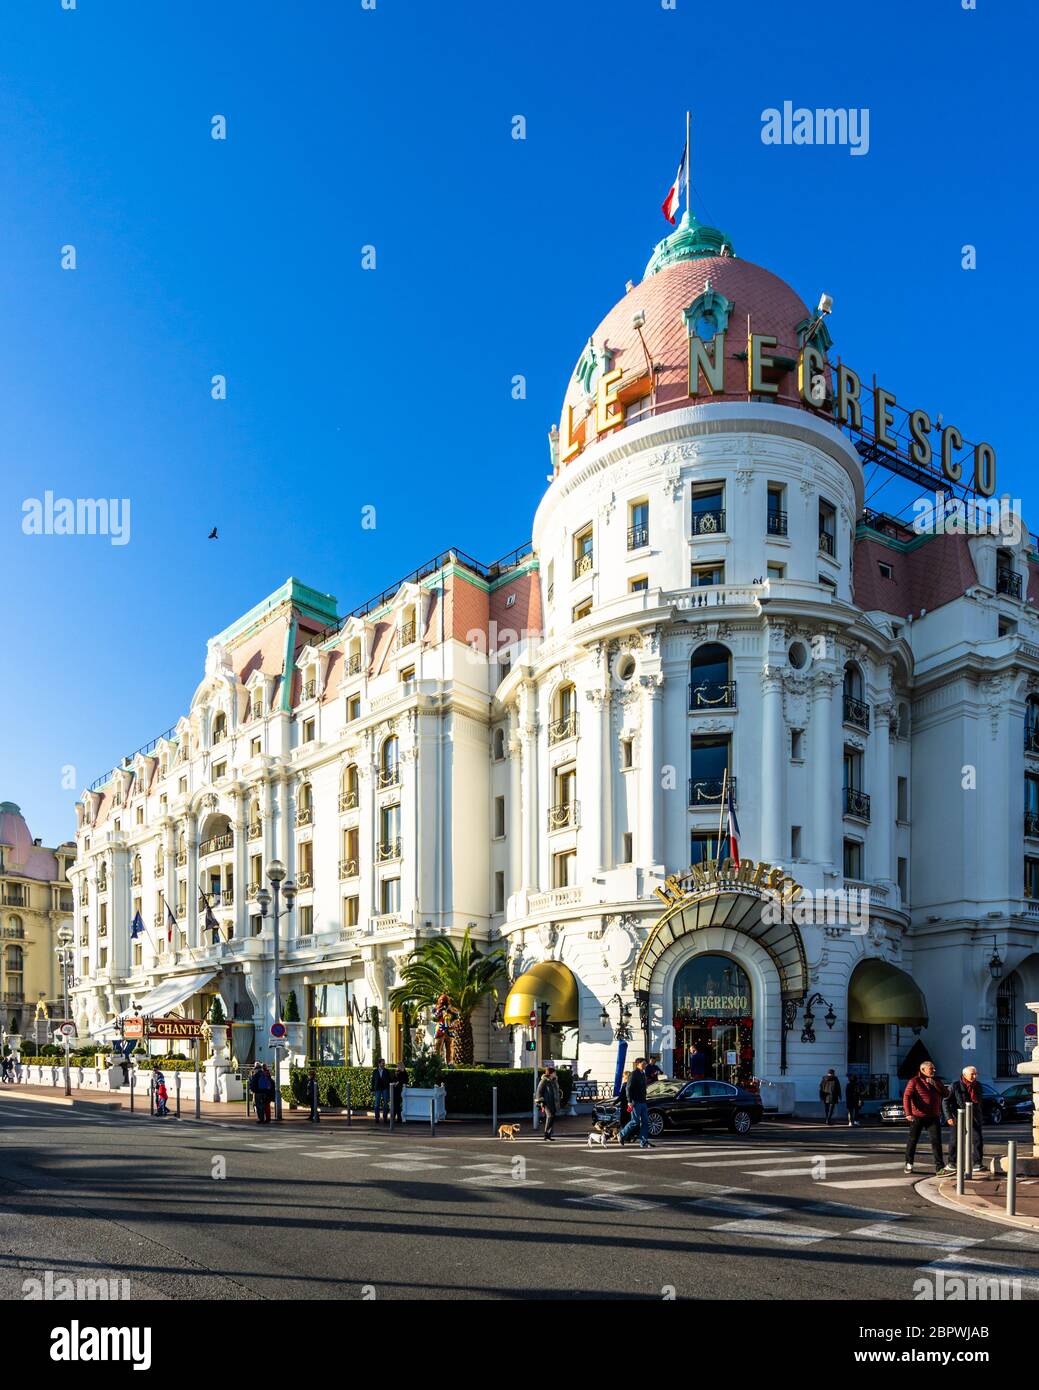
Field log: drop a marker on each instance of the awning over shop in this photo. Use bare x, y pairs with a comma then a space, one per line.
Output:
550, 982
881, 993
161, 999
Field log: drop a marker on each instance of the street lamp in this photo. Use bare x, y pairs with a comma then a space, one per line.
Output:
829, 1018
622, 1031
63, 951
498, 1019
276, 872
995, 965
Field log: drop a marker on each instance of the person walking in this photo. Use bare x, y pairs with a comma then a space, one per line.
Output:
315, 1113
653, 1069
623, 1104
261, 1088
922, 1103
830, 1093
400, 1080
548, 1096
966, 1088
267, 1093
639, 1109
381, 1090
696, 1064
853, 1100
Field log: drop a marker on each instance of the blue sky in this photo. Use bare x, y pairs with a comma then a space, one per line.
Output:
392, 388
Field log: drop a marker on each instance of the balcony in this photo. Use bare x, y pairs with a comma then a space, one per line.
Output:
304, 879
856, 713
182, 858
388, 849
348, 801
160, 868
584, 563
566, 815
14, 933
638, 536
1008, 582
222, 897
159, 919
65, 905
827, 544
388, 776
251, 891
712, 695
707, 791
776, 523
83, 896
135, 877
406, 635
16, 897
102, 887
305, 815
708, 523
255, 829
347, 868
13, 996
856, 803
84, 939
214, 845
1032, 825
255, 710
353, 666
564, 728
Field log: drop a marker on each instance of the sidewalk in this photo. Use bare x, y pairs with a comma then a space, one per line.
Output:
986, 1198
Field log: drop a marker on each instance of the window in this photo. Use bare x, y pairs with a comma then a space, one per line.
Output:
581, 610
703, 847
564, 869
627, 753
499, 817
903, 879
856, 802
498, 745
702, 575
708, 509
797, 745
708, 763
220, 727
140, 815
499, 890
351, 911
886, 572
550, 579
564, 722
853, 859
795, 842
638, 524
389, 832
182, 786
711, 685
626, 847
308, 730
902, 800
1031, 877
407, 674
353, 708
389, 762
639, 585
827, 528
504, 666
775, 516
348, 863
254, 748
389, 895
828, 582
584, 553
219, 770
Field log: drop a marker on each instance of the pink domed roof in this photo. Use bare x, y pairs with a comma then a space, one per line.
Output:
21, 857
663, 296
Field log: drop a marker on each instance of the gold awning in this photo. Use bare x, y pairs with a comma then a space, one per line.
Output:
551, 983
881, 993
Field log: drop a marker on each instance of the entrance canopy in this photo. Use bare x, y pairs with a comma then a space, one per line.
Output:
551, 983
161, 999
881, 993
739, 910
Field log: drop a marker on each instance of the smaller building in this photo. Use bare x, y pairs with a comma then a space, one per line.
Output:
35, 901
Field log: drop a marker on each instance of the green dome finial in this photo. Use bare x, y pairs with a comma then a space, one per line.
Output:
690, 241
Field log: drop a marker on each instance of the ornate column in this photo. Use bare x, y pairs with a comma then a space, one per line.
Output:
409, 872
608, 775
241, 861
529, 736
882, 819
366, 873
651, 796
825, 769
590, 782
774, 847
515, 821
191, 842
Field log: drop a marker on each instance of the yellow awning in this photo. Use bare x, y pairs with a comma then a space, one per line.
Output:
881, 993
550, 983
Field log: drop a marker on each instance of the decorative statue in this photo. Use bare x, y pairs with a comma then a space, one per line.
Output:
446, 1018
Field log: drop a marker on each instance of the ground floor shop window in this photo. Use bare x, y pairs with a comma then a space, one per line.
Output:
713, 1020
328, 1020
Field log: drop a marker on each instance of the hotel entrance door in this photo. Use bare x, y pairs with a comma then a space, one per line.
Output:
713, 1021
709, 1051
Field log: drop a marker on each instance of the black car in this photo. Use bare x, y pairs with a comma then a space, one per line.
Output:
1017, 1101
695, 1105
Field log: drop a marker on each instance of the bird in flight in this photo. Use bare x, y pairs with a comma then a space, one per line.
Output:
213, 535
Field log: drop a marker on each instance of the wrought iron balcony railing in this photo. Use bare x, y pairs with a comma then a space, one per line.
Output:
710, 523
1032, 825
638, 536
1032, 738
406, 635
214, 845
348, 801
584, 563
388, 849
305, 815
389, 776
856, 803
826, 543
255, 829
563, 728
304, 879
1008, 582
309, 690
707, 791
856, 712
566, 814
348, 868
353, 666
712, 695
776, 523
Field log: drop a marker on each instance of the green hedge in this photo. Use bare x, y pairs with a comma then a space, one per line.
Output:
468, 1089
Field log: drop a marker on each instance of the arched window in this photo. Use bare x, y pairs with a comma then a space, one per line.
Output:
499, 745
14, 958
853, 681
710, 678
136, 869
564, 722
1032, 723
348, 792
15, 927
389, 759
305, 804
856, 711
219, 726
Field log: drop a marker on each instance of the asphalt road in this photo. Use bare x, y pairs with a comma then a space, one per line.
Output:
189, 1210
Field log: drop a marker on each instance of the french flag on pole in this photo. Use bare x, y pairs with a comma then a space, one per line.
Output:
732, 834
673, 201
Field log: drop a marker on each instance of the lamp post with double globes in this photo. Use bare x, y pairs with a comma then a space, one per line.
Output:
63, 951
276, 872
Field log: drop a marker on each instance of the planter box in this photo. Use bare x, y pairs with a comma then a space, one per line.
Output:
416, 1102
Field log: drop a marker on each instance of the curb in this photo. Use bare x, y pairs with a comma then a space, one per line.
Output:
931, 1190
69, 1101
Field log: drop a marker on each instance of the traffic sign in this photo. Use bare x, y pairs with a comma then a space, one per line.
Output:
278, 1031
68, 1030
1030, 1030
533, 1018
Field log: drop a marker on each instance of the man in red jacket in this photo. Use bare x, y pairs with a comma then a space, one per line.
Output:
922, 1103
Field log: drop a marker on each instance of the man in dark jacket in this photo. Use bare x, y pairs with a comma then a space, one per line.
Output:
381, 1090
829, 1093
853, 1100
261, 1085
922, 1102
400, 1080
548, 1096
966, 1088
639, 1109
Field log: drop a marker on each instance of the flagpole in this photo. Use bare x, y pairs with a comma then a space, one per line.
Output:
688, 154
721, 812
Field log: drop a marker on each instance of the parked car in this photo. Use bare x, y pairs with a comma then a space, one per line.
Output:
695, 1105
1017, 1101
993, 1108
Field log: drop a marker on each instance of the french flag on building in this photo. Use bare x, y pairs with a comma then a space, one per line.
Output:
672, 202
729, 842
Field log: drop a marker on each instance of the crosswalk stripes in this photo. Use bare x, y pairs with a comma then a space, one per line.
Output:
612, 1201
782, 1232
827, 1166
914, 1235
965, 1267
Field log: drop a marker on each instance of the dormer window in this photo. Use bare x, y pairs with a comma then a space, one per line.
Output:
406, 633
219, 726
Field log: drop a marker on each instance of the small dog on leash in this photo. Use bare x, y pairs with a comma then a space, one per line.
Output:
508, 1131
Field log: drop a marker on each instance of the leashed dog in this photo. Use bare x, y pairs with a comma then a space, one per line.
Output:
508, 1131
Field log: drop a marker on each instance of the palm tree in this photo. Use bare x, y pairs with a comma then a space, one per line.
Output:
438, 967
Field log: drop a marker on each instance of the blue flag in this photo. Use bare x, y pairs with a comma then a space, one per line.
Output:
136, 926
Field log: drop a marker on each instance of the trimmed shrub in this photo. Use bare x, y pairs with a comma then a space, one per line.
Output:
468, 1088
